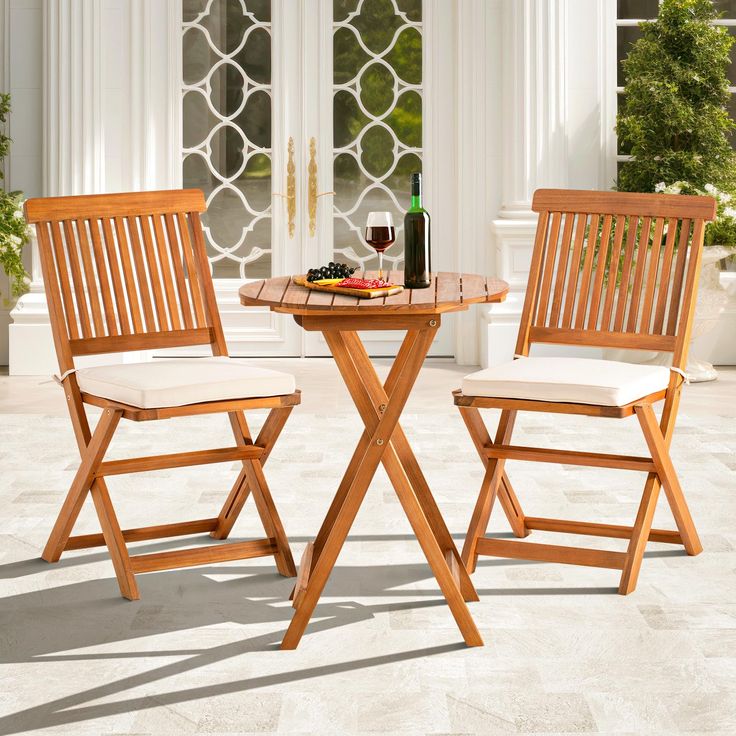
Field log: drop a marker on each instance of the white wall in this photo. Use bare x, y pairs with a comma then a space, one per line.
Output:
589, 115
479, 146
535, 107
21, 64
103, 71
567, 49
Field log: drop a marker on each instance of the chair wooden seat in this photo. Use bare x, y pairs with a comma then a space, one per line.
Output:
553, 407
128, 272
137, 414
612, 270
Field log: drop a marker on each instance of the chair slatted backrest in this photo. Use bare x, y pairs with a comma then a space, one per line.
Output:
614, 269
126, 272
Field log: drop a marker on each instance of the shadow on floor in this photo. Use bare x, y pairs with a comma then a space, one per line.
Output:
36, 565
49, 625
72, 709
42, 626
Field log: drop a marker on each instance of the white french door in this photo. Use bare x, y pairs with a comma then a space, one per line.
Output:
299, 117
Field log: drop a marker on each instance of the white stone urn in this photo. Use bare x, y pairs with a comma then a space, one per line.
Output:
712, 300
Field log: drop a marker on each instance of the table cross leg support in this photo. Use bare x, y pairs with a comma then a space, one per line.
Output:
360, 449
379, 443
399, 459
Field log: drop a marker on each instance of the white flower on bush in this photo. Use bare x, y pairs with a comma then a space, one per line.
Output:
722, 197
674, 188
678, 186
722, 230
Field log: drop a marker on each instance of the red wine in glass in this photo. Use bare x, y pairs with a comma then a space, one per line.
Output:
380, 234
380, 238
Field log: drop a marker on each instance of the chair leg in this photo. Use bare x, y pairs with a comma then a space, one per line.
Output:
270, 518
639, 535
240, 491
488, 491
481, 515
114, 540
231, 508
512, 508
255, 480
92, 456
506, 496
668, 476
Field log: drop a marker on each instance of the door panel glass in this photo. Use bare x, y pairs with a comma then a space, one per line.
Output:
227, 129
726, 7
377, 113
639, 9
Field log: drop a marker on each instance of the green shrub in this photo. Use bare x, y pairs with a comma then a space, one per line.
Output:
14, 232
673, 117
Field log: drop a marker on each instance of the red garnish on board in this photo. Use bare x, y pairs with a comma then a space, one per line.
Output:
352, 283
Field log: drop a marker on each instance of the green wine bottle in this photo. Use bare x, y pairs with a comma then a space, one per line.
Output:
417, 256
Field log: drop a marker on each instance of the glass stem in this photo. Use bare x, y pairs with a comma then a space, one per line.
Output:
380, 265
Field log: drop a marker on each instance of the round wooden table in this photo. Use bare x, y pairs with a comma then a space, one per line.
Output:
418, 313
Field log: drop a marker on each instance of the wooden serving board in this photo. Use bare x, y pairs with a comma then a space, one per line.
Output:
360, 293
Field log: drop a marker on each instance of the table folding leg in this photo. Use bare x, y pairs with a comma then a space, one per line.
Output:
383, 441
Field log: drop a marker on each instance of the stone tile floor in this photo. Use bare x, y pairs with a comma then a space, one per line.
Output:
198, 653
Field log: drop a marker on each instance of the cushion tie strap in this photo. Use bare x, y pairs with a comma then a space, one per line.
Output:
60, 379
681, 372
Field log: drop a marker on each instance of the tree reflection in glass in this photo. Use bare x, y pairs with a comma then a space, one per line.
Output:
377, 113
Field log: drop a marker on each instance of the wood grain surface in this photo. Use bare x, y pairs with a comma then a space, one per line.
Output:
448, 292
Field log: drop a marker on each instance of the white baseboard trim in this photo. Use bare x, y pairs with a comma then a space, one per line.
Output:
31, 350
30, 344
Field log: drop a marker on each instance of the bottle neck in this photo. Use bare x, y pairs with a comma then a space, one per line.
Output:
416, 202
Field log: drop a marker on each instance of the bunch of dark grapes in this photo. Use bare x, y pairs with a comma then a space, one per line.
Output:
330, 271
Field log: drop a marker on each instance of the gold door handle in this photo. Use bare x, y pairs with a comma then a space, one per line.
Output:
290, 195
313, 196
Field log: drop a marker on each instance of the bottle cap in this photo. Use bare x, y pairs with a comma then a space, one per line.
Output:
416, 184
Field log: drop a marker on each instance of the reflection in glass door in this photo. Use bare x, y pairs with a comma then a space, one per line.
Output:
299, 118
368, 97
377, 119
227, 116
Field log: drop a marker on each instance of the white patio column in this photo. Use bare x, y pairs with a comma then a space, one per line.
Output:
534, 150
72, 154
110, 96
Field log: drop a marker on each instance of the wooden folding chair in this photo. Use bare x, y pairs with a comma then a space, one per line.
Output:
608, 270
129, 272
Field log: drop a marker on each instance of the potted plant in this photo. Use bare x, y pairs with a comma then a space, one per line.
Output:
673, 119
14, 232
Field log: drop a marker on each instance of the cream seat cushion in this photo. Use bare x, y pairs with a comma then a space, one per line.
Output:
573, 380
162, 383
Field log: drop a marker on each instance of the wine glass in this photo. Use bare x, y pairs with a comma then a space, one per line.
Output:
380, 234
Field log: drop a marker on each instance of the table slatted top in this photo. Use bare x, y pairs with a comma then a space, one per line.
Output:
447, 292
